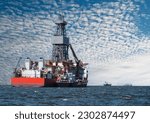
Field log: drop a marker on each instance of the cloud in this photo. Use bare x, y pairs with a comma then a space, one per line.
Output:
132, 71
100, 32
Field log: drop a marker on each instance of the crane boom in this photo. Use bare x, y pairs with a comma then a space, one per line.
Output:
74, 55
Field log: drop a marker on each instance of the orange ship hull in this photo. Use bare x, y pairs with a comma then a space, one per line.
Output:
33, 82
43, 82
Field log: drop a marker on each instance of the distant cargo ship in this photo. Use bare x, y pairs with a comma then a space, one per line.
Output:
128, 85
59, 71
107, 84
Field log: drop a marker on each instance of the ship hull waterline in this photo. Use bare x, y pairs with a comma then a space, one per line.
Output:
42, 82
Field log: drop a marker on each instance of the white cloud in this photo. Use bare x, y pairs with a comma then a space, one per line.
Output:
104, 32
132, 71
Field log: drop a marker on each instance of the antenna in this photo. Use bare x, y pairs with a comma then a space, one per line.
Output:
59, 8
18, 62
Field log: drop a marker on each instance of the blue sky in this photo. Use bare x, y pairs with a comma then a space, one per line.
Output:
113, 36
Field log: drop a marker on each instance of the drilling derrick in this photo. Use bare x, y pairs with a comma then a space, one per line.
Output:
60, 41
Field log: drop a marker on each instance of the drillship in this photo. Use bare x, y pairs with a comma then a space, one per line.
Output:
60, 71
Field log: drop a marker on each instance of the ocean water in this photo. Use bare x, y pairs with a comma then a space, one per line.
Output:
88, 96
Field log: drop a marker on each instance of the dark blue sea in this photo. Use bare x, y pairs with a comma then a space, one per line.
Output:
88, 96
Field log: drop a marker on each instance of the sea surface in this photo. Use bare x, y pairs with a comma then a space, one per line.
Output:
87, 96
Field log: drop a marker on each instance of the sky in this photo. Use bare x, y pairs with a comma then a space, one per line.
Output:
113, 36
